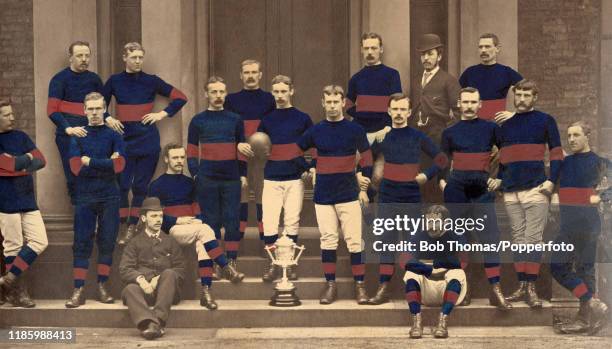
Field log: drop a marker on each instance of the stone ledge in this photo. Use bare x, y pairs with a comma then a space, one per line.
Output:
247, 313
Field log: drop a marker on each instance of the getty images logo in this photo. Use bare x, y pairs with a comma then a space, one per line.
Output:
411, 225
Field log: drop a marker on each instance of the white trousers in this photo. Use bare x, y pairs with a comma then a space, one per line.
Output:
527, 213
186, 234
347, 217
432, 291
21, 227
278, 195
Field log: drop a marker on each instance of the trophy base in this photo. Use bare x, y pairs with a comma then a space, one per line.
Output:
285, 298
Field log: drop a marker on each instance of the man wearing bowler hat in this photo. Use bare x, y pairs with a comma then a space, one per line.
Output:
435, 98
152, 266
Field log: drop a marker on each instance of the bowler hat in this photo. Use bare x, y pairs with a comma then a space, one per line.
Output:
428, 42
150, 204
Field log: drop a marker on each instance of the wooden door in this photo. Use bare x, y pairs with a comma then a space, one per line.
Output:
126, 27
307, 40
427, 16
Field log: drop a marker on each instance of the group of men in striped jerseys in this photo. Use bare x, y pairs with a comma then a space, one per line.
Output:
372, 153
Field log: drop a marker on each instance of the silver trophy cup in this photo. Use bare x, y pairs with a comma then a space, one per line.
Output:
284, 291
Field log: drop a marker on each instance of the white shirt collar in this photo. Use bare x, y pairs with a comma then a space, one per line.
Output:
431, 75
152, 235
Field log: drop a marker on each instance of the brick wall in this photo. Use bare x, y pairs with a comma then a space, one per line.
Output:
16, 60
559, 47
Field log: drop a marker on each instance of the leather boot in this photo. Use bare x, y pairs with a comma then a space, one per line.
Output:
441, 330
519, 294
8, 281
217, 272
580, 323
292, 273
162, 327
361, 296
497, 298
130, 232
7, 285
270, 273
329, 293
151, 331
206, 299
2, 292
230, 272
382, 295
104, 294
77, 299
598, 315
416, 331
19, 296
532, 296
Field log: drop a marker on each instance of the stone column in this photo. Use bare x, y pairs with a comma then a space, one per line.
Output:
56, 24
169, 38
605, 114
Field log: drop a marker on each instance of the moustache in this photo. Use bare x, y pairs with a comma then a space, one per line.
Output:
484, 55
370, 57
250, 80
218, 100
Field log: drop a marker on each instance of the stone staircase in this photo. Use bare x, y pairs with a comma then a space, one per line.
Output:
246, 304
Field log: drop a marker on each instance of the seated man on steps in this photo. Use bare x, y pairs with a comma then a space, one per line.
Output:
183, 221
434, 278
152, 266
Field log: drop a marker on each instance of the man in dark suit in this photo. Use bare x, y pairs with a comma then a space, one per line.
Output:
153, 268
436, 94
435, 97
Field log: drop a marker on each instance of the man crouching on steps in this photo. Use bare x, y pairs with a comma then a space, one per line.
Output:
435, 278
153, 268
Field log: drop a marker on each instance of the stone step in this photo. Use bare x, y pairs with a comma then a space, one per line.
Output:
309, 237
52, 279
251, 245
51, 276
251, 313
310, 288
306, 288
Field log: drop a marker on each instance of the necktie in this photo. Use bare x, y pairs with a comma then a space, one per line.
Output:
426, 76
